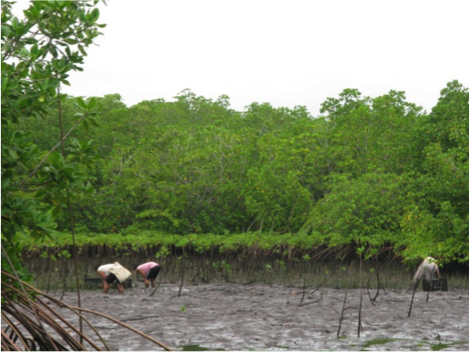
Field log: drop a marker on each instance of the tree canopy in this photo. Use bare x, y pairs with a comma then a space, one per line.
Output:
368, 171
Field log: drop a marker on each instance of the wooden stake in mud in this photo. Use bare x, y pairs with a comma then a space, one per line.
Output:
412, 298
182, 275
360, 297
342, 313
359, 323
303, 291
156, 288
372, 300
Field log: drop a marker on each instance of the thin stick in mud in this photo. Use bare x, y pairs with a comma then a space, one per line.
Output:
342, 313
412, 298
156, 288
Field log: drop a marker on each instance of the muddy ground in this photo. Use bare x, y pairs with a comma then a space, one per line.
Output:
264, 317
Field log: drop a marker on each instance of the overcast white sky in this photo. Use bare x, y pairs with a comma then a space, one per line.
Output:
286, 53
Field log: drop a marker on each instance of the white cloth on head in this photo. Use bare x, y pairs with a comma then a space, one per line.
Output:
121, 273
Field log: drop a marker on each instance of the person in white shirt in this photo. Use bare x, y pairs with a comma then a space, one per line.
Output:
427, 271
108, 277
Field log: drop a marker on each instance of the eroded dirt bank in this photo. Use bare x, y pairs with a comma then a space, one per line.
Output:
262, 317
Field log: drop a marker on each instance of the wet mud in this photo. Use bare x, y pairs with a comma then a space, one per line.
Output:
266, 317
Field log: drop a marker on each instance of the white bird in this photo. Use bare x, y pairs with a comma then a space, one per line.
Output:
427, 270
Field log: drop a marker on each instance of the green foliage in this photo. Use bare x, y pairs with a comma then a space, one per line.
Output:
364, 210
38, 53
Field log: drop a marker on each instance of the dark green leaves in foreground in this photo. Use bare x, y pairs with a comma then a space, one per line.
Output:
38, 53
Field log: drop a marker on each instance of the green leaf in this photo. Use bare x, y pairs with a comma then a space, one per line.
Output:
85, 125
81, 103
82, 50
94, 15
13, 153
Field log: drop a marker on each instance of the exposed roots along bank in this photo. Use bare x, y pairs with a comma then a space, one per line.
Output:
344, 254
331, 267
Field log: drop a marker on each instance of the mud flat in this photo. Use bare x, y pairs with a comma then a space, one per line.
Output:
263, 317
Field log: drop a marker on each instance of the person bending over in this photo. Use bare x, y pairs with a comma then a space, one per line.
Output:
427, 271
108, 277
149, 271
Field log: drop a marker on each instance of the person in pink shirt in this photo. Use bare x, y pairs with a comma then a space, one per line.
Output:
149, 271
